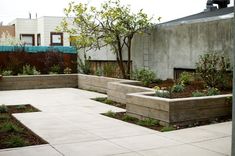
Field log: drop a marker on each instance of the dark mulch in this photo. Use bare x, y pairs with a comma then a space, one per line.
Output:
26, 134
189, 89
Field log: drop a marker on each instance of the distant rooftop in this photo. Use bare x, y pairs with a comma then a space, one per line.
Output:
204, 14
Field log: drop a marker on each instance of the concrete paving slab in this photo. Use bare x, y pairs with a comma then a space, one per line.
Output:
225, 128
72, 125
221, 145
181, 150
191, 135
143, 142
95, 148
42, 150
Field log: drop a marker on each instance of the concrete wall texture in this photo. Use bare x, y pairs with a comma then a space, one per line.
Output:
170, 46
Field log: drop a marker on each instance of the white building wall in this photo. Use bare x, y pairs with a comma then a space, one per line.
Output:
43, 26
50, 24
25, 26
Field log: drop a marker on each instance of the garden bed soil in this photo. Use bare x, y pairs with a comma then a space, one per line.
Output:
188, 90
158, 127
28, 137
110, 102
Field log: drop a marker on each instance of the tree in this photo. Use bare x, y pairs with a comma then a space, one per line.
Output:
112, 25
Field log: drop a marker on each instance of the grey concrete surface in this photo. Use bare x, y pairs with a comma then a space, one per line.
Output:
72, 125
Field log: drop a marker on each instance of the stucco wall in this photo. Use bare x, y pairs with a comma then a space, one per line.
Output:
170, 46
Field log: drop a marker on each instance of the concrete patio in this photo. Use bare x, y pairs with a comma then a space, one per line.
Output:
73, 126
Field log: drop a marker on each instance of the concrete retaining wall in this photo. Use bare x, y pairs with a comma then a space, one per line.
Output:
117, 91
38, 81
170, 46
95, 83
178, 111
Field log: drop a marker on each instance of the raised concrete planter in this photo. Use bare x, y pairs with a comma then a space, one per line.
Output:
117, 91
178, 111
38, 81
95, 83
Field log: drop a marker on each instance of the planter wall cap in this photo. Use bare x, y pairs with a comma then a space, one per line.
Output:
150, 95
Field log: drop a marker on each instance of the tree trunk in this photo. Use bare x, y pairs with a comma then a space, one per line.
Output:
120, 59
129, 58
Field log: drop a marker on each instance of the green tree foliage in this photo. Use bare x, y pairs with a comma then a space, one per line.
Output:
113, 24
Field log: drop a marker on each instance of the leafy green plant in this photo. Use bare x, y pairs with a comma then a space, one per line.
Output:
15, 141
110, 114
67, 70
28, 70
100, 99
55, 69
161, 93
128, 118
4, 117
213, 68
3, 108
7, 73
168, 128
109, 70
10, 127
213, 91
148, 122
186, 78
198, 94
21, 107
178, 88
84, 65
145, 76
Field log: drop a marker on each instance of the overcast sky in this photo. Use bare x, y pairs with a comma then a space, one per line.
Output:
167, 9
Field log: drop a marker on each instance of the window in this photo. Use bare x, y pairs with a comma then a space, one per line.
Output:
38, 39
56, 39
27, 39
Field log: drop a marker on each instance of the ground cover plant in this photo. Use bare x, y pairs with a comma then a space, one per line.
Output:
12, 132
109, 102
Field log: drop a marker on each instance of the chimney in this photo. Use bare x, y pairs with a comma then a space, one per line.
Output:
221, 4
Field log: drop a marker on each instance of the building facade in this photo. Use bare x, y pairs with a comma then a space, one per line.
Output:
37, 32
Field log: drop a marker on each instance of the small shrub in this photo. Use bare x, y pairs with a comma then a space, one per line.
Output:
162, 93
4, 117
168, 128
84, 66
15, 141
67, 70
10, 127
109, 70
129, 118
186, 78
198, 94
213, 91
55, 69
7, 73
100, 99
28, 70
145, 76
213, 69
3, 109
178, 88
110, 114
107, 101
21, 107
148, 122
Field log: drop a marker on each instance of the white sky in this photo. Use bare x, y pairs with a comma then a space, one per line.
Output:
167, 9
